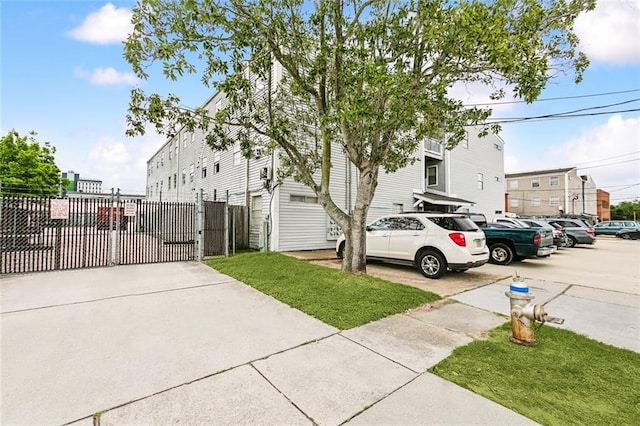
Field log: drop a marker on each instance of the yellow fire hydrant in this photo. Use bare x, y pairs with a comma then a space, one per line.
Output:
523, 313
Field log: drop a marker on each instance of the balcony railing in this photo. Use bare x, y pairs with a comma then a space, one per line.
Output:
433, 149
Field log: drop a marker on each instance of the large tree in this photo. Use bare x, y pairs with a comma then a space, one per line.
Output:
27, 167
371, 78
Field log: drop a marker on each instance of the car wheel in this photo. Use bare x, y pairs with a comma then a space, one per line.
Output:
431, 264
340, 253
500, 254
625, 236
572, 242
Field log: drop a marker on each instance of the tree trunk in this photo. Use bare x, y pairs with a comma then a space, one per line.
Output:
355, 251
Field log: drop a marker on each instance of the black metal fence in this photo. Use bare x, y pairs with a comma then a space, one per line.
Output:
45, 234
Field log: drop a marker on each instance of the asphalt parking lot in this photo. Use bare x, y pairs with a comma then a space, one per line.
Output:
610, 264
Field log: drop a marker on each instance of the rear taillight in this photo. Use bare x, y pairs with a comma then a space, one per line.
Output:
590, 232
536, 239
458, 238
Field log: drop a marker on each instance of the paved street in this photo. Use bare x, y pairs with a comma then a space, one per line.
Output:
179, 342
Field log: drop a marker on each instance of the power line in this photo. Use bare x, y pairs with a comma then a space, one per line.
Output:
557, 98
610, 164
566, 114
608, 158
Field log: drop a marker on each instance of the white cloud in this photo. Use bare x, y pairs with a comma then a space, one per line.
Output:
610, 153
122, 163
107, 77
611, 32
480, 94
106, 26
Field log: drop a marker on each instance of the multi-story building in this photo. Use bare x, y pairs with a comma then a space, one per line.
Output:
77, 184
89, 185
550, 192
286, 215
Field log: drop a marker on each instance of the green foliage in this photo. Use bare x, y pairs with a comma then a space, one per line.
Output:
565, 379
28, 168
626, 210
334, 297
369, 78
372, 77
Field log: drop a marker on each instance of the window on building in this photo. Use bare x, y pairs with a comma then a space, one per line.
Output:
513, 202
480, 181
554, 181
191, 170
204, 167
535, 183
175, 180
169, 182
256, 210
497, 146
170, 151
218, 105
554, 201
157, 163
513, 184
308, 199
432, 175
184, 176
162, 159
535, 202
177, 149
237, 155
465, 141
397, 208
216, 162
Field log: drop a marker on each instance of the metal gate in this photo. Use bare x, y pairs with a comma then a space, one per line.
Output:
42, 234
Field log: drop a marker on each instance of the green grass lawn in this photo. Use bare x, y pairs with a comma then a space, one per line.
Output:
334, 297
567, 379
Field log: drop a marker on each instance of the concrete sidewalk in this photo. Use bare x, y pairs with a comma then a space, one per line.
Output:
181, 343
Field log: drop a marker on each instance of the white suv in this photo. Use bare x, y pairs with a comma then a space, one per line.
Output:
432, 242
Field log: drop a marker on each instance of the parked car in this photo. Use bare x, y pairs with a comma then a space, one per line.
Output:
546, 230
629, 234
578, 231
432, 242
508, 242
560, 238
518, 223
611, 227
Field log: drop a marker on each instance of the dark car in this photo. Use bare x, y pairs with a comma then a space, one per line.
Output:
578, 231
560, 238
611, 227
629, 234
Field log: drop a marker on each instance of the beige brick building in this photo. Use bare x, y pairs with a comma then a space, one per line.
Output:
550, 192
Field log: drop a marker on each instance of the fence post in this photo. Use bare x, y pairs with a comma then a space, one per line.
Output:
117, 230
111, 235
199, 225
226, 226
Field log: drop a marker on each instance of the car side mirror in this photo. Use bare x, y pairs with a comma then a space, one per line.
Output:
369, 228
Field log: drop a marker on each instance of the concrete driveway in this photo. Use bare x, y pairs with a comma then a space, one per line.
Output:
78, 342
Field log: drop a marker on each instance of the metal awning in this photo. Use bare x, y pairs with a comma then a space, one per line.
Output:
440, 200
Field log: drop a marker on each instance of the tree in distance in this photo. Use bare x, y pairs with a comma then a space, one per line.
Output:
366, 79
27, 167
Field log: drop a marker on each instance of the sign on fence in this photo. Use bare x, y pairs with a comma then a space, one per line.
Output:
59, 209
130, 209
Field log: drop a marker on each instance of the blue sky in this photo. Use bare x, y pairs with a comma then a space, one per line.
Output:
63, 75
